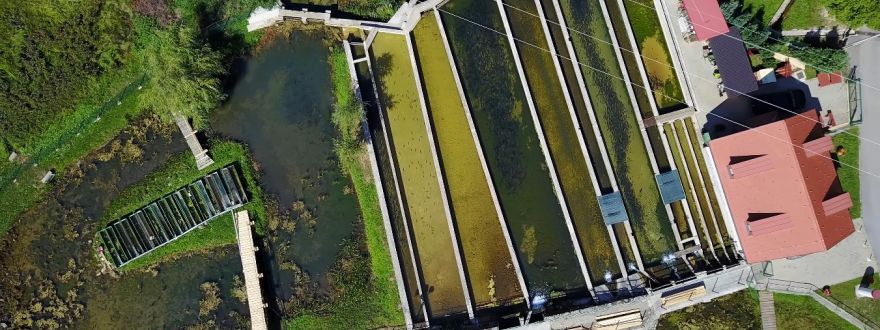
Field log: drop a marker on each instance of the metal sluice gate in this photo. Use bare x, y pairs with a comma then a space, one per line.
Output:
168, 218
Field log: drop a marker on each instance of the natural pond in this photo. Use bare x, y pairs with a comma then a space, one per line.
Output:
509, 140
281, 108
53, 278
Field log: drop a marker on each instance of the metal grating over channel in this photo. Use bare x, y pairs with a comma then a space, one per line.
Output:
170, 217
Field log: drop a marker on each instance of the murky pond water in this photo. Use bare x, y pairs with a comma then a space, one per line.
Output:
281, 109
50, 267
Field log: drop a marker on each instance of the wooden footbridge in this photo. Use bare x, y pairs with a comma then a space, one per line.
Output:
252, 275
201, 155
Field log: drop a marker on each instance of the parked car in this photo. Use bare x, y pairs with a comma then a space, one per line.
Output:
792, 100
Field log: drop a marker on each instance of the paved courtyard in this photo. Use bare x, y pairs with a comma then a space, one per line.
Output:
845, 261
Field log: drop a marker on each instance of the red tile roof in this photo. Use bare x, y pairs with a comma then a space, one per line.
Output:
706, 18
784, 202
826, 79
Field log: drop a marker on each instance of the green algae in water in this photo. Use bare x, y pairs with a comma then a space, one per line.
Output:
619, 126
489, 264
418, 177
511, 145
562, 140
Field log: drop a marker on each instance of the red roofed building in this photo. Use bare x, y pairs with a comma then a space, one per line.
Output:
706, 18
782, 188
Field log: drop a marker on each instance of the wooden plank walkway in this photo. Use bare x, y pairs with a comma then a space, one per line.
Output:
252, 275
768, 310
201, 155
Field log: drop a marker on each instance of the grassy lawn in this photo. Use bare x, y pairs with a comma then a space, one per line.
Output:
67, 140
368, 291
178, 172
848, 172
734, 311
843, 294
803, 14
764, 7
797, 312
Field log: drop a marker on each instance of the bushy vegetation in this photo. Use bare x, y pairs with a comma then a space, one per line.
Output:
365, 285
51, 51
73, 74
185, 72
755, 34
855, 12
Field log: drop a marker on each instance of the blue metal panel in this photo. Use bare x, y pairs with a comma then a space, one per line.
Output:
670, 186
612, 208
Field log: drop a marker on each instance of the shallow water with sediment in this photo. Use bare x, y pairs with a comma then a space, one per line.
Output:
422, 194
490, 270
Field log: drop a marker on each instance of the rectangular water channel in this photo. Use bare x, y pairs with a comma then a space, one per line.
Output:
167, 219
682, 135
421, 190
619, 127
555, 116
387, 175
512, 148
491, 270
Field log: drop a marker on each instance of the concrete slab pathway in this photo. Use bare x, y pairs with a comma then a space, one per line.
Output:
843, 262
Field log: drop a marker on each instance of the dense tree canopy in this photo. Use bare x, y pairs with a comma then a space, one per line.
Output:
855, 12
48, 49
756, 35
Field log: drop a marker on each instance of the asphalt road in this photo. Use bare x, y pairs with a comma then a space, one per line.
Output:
867, 57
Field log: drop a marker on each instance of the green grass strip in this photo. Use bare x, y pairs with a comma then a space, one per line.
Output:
848, 172
797, 312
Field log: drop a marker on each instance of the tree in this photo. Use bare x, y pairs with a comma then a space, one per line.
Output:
184, 74
855, 12
822, 59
